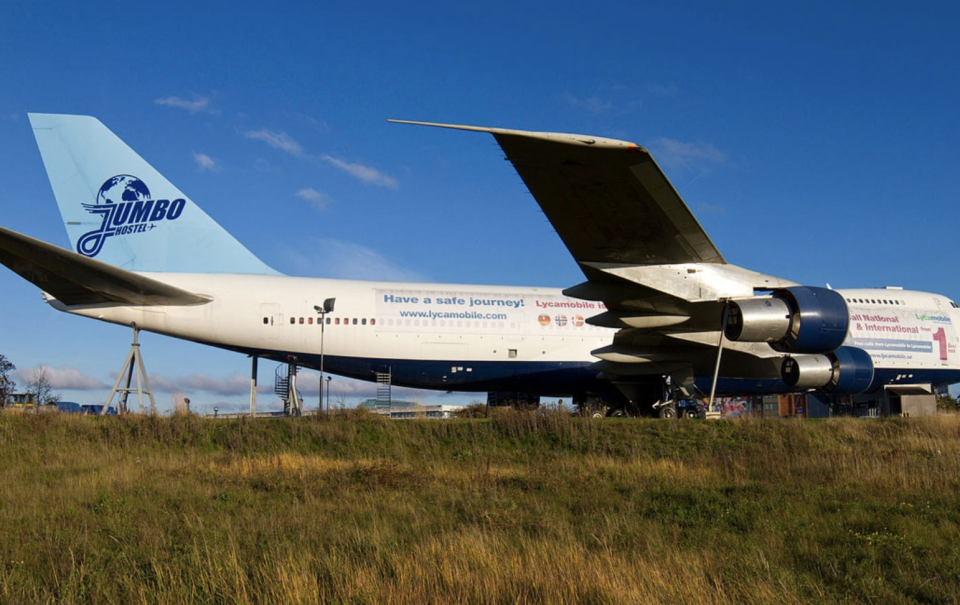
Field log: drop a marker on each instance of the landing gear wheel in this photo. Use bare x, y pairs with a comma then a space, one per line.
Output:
597, 414
691, 414
618, 413
668, 411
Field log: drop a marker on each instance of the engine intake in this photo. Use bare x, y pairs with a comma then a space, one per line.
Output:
793, 320
846, 371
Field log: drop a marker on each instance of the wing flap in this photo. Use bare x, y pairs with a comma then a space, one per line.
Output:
77, 280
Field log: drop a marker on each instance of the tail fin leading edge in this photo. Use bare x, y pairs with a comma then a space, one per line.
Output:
118, 209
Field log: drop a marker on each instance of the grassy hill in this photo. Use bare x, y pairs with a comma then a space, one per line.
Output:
520, 508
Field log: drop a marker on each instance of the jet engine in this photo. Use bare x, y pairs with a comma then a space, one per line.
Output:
846, 371
800, 319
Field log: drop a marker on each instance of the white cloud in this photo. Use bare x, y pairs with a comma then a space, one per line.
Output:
285, 142
364, 173
60, 378
316, 199
708, 208
309, 380
311, 121
345, 260
663, 90
205, 162
235, 384
680, 155
277, 140
197, 105
238, 385
592, 104
351, 391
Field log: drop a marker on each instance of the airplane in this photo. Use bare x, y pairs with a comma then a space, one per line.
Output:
659, 309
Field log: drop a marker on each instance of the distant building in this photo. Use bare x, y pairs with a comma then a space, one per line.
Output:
798, 405
397, 409
908, 400
70, 407
20, 400
387, 403
801, 405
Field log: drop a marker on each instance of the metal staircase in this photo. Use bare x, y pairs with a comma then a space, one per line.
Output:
384, 380
284, 385
281, 383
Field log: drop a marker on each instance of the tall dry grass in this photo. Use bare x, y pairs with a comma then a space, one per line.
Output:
518, 508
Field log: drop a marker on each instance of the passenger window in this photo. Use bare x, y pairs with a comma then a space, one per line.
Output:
293, 320
373, 322
266, 321
364, 322
354, 321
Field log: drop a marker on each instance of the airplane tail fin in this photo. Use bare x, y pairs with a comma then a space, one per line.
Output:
118, 209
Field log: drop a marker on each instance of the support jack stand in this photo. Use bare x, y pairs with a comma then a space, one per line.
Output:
133, 365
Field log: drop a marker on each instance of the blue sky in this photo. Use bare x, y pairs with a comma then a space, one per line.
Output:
814, 141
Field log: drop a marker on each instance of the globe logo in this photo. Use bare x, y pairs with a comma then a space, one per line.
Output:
122, 188
127, 209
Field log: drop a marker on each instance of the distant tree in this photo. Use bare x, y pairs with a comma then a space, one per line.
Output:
946, 403
474, 410
40, 386
7, 385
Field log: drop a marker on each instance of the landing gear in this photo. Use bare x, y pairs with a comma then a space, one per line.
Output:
591, 406
666, 409
669, 396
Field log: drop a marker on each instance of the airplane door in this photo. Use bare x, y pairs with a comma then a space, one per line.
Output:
271, 320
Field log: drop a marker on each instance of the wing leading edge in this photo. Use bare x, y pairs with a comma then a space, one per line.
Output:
607, 199
77, 280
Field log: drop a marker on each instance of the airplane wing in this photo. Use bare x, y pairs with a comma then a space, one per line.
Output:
77, 280
645, 255
607, 199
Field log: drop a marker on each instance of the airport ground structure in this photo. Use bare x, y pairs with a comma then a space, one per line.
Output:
912, 401
521, 507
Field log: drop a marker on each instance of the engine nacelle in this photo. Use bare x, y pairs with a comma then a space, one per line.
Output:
846, 371
793, 320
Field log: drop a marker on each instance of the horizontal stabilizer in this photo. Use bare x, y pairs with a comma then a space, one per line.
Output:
77, 280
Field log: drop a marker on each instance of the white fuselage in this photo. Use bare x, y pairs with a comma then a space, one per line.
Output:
472, 335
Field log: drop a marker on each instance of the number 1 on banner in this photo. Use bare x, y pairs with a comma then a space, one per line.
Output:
941, 337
